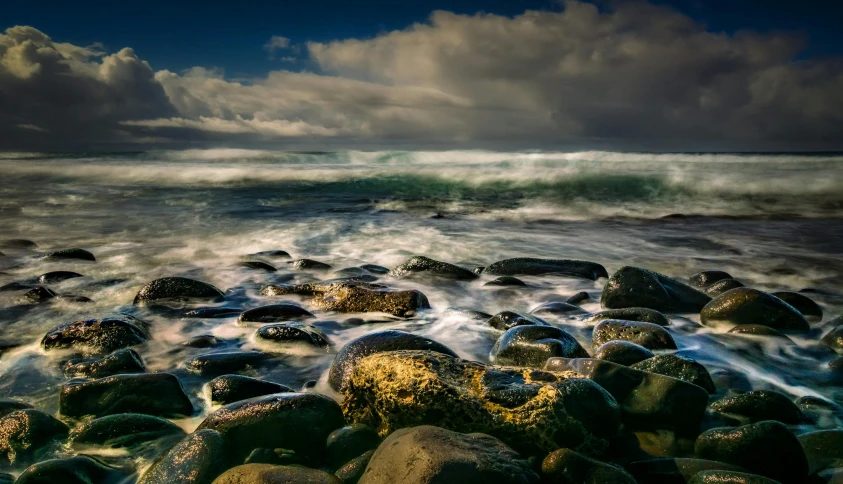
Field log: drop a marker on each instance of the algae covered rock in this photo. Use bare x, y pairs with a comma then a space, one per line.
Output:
678, 367
635, 287
198, 459
564, 466
530, 410
152, 394
97, 336
526, 266
532, 345
272, 474
356, 297
751, 306
178, 289
420, 266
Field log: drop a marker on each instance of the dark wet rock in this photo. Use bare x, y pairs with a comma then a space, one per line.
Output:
272, 474
97, 336
530, 410
38, 294
351, 279
729, 477
216, 364
346, 443
300, 422
420, 266
673, 470
648, 335
758, 330
75, 299
57, 276
558, 308
805, 305
278, 457
258, 265
751, 306
9, 406
707, 278
579, 297
526, 266
124, 430
23, 433
767, 448
647, 400
505, 320
66, 254
352, 471
377, 342
720, 287
643, 315
121, 361
823, 449
428, 455
505, 281
151, 394
622, 352
375, 269
678, 367
16, 286
811, 404
179, 289
273, 254
635, 287
198, 459
469, 313
309, 265
760, 405
203, 341
532, 345
564, 466
834, 339
293, 333
18, 244
72, 470
274, 313
213, 313
227, 389
356, 298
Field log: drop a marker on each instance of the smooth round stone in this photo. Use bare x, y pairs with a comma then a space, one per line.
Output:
726, 379
565, 466
759, 330
258, 265
352, 471
558, 308
679, 367
760, 405
309, 265
648, 335
295, 333
177, 289
420, 266
274, 313
751, 306
505, 281
527, 266
636, 287
227, 389
505, 320
579, 297
643, 315
532, 345
16, 286
121, 361
352, 441
622, 352
9, 406
57, 276
152, 394
272, 474
802, 303
23, 433
198, 459
124, 430
97, 336
273, 254
720, 287
69, 254
216, 364
707, 278
73, 470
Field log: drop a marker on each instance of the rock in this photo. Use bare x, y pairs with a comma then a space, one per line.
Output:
375, 269
65, 254
647, 400
37, 295
57, 276
293, 333
97, 336
124, 430
720, 287
273, 254
420, 266
564, 466
509, 319
622, 352
72, 470
525, 266
805, 305
274, 313
767, 448
834, 339
504, 281
558, 308
151, 394
121, 361
530, 410
227, 389
203, 341
212, 313
729, 477
823, 449
178, 289
707, 278
643, 315
272, 474
216, 364
673, 470
300, 422
9, 406
23, 433
198, 459
635, 287
8, 478
258, 265
751, 306
352, 471
309, 265
428, 455
759, 405
532, 345
352, 297
678, 367
278, 457
578, 298
377, 342
16, 286
349, 442
18, 244
648, 335
758, 330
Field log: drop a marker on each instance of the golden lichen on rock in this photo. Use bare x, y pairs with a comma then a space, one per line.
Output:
523, 407
355, 297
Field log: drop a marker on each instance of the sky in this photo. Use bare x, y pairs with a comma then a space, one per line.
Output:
663, 75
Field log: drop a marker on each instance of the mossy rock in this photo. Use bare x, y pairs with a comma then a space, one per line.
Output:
635, 287
354, 297
272, 474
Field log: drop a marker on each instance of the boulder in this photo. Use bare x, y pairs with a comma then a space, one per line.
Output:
564, 466
57, 276
198, 459
24, 433
720, 287
532, 345
377, 342
805, 305
293, 333
678, 367
526, 266
274, 313
759, 405
558, 308
643, 315
729, 477
356, 297
420, 266
227, 389
73, 470
121, 361
823, 449
432, 455
69, 254
124, 430
751, 306
178, 289
707, 278
648, 335
151, 394
216, 364
273, 474
631, 287
622, 352
505, 320
349, 442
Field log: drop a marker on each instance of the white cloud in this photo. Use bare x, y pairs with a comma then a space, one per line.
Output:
276, 43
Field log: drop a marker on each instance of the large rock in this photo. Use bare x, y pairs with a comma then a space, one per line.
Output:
178, 289
622, 352
432, 455
293, 333
823, 448
505, 320
802, 303
377, 342
564, 466
124, 430
97, 336
420, 266
227, 389
530, 410
274, 313
216, 364
272, 474
729, 477
152, 394
69, 254
647, 400
644, 315
759, 405
648, 335
532, 345
766, 448
352, 297
198, 459
526, 266
678, 367
635, 287
751, 306
73, 470
297, 421
121, 361
24, 433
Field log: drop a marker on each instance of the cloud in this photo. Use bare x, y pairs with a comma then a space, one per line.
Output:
276, 43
